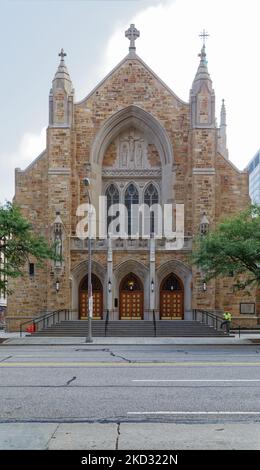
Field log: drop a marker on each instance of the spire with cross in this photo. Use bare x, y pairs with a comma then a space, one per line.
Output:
62, 54
202, 54
204, 35
132, 34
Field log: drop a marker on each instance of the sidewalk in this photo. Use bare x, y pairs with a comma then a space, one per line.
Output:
117, 436
13, 339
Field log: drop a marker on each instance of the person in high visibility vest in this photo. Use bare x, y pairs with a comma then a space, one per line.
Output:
227, 317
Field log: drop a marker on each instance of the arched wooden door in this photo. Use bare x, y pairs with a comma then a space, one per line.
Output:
131, 303
97, 291
171, 298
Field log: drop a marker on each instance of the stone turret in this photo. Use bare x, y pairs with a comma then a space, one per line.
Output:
202, 96
61, 97
222, 138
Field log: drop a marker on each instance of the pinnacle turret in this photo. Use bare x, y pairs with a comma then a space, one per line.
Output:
202, 96
61, 96
62, 78
222, 137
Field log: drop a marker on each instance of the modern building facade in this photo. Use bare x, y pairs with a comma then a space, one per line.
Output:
137, 142
254, 178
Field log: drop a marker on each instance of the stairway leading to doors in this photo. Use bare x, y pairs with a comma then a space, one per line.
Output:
124, 328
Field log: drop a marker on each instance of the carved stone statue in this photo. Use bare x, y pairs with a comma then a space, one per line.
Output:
131, 148
124, 154
139, 154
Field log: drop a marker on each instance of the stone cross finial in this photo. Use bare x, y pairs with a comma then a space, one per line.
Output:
132, 34
62, 54
204, 36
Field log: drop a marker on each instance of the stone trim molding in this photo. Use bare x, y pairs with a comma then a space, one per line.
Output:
59, 171
204, 171
119, 173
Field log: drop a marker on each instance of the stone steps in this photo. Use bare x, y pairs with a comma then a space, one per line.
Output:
164, 328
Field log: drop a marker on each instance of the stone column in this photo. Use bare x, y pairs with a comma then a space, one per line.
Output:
110, 276
152, 277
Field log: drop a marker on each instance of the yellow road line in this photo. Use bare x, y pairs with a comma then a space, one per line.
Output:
128, 364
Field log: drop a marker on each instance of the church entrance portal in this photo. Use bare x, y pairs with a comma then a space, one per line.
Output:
131, 298
171, 298
97, 291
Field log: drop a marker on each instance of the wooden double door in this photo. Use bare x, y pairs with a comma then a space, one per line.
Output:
171, 298
131, 302
97, 293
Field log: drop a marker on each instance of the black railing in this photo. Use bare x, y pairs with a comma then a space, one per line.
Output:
235, 326
106, 323
44, 321
208, 318
154, 323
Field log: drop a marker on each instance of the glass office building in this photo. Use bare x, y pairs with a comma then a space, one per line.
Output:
254, 178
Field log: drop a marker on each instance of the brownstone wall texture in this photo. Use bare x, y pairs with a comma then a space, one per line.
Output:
53, 183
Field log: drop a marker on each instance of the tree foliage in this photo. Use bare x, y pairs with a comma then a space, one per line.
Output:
19, 244
233, 247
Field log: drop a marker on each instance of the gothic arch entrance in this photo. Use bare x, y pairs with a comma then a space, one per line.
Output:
131, 301
171, 298
97, 291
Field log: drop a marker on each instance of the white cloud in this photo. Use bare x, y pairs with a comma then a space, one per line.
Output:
30, 146
169, 44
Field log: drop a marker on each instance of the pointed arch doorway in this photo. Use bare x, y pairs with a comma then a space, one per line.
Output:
97, 291
131, 301
171, 298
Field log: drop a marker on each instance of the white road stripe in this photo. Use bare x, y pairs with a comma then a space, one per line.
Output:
193, 412
196, 380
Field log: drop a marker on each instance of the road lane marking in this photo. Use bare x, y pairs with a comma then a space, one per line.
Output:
196, 380
128, 364
193, 412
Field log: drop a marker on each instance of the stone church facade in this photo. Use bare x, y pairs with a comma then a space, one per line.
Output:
137, 142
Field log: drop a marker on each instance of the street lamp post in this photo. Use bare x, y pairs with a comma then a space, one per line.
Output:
89, 338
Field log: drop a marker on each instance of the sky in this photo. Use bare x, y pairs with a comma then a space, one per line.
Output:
32, 33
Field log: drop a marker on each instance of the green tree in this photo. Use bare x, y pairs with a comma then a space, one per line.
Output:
233, 247
18, 244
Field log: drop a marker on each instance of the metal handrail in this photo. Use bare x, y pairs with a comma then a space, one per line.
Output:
206, 316
45, 319
234, 325
154, 324
106, 323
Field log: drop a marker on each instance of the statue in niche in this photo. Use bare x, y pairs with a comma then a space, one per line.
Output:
131, 147
124, 153
139, 154
131, 150
58, 248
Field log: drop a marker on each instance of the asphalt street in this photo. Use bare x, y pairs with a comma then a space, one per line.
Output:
132, 385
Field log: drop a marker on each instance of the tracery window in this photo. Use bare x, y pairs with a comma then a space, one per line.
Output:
151, 197
112, 195
131, 198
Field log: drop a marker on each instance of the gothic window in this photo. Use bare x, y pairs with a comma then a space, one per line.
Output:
112, 195
151, 197
131, 198
171, 283
131, 283
95, 283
